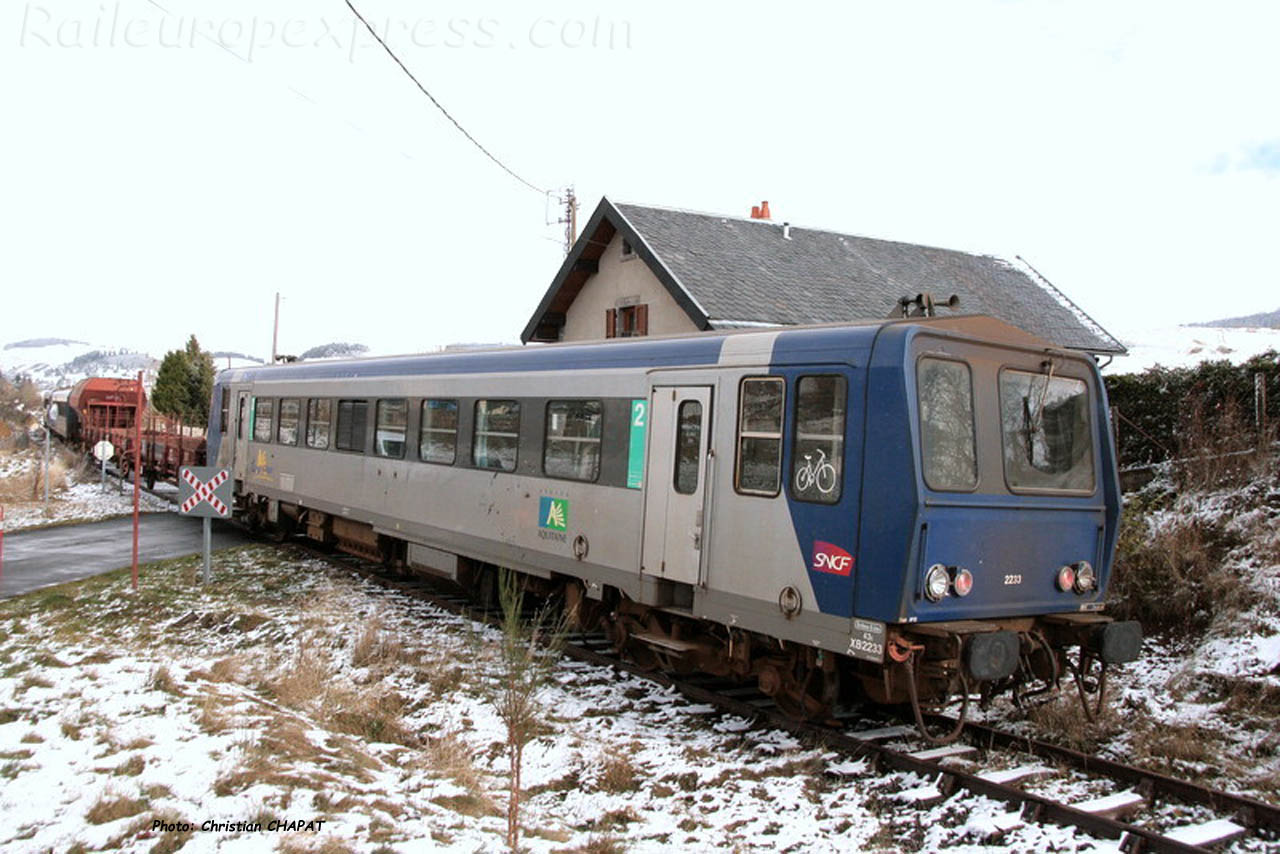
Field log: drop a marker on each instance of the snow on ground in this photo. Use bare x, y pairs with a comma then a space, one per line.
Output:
293, 690
1186, 346
81, 499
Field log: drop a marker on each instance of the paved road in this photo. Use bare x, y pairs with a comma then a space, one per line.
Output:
35, 559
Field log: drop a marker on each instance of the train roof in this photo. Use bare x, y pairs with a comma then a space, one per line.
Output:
697, 348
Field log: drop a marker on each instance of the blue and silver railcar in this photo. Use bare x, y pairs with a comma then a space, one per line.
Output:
916, 509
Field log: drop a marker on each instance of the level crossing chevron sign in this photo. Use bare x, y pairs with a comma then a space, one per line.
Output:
204, 492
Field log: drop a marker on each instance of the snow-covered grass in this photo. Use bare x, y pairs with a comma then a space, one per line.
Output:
293, 690
75, 493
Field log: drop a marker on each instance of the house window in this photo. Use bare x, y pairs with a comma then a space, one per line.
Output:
630, 321
628, 251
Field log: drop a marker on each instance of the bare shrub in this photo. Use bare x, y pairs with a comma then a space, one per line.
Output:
1218, 446
528, 653
619, 774
1170, 574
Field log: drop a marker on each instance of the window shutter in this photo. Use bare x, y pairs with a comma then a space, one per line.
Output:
610, 323
642, 319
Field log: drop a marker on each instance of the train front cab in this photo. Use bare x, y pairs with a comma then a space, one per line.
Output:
1002, 458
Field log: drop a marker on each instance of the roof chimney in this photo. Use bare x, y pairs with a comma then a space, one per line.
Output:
760, 211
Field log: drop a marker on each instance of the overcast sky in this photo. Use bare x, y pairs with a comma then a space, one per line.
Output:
167, 168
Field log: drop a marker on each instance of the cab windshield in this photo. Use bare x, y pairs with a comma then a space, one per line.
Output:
1048, 440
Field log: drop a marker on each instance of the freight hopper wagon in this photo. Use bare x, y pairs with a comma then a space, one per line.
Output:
101, 408
914, 510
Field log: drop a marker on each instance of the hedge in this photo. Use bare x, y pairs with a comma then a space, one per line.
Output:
1157, 406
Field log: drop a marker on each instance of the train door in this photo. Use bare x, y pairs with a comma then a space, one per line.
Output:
677, 482
244, 409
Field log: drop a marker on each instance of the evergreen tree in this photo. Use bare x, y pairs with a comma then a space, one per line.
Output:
173, 383
200, 382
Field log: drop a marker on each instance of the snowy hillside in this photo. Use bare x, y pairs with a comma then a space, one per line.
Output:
57, 362
1184, 346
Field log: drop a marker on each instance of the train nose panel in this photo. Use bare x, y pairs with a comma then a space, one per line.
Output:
992, 655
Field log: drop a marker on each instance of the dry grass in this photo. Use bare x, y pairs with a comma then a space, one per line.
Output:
451, 757
229, 669
1063, 718
305, 679
374, 648
210, 717
132, 768
114, 807
619, 774
162, 680
373, 714
1175, 747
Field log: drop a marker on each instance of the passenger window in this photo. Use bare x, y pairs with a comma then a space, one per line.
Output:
572, 447
290, 413
760, 436
225, 410
1048, 437
263, 418
947, 446
497, 434
818, 459
688, 446
392, 425
438, 437
319, 418
240, 422
353, 420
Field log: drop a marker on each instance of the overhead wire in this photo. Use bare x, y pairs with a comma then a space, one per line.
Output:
487, 153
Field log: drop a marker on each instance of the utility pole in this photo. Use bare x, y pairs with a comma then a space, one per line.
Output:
275, 330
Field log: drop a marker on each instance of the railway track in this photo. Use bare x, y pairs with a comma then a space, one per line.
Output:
1140, 810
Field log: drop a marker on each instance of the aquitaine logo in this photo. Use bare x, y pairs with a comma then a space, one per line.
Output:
831, 559
553, 513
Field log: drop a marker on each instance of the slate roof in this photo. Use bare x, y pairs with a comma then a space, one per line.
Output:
727, 271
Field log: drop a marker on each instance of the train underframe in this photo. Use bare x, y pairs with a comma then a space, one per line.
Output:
930, 667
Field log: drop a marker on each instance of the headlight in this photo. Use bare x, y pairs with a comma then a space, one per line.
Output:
963, 582
936, 582
1085, 579
1066, 578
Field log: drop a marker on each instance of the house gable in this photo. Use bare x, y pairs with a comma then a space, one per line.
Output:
623, 283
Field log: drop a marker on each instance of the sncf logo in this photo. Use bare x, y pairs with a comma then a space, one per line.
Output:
831, 559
